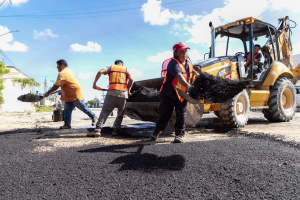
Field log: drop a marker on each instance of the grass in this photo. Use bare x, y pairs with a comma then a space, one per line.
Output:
44, 109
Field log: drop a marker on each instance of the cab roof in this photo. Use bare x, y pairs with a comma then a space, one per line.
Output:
240, 28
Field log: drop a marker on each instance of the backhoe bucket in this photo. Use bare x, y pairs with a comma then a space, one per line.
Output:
148, 111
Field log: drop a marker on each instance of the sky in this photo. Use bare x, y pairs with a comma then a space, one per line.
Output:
90, 35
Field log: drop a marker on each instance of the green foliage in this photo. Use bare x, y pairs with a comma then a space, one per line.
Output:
52, 99
44, 109
91, 102
3, 70
25, 81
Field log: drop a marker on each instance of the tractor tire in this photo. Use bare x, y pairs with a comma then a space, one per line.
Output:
234, 113
282, 101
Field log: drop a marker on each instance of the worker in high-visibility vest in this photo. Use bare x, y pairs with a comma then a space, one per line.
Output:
120, 82
256, 59
178, 75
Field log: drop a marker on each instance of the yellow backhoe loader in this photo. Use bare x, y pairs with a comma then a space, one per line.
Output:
272, 79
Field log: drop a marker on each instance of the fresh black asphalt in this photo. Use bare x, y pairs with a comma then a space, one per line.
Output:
234, 168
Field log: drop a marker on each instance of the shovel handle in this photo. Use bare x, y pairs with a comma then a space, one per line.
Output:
55, 92
99, 88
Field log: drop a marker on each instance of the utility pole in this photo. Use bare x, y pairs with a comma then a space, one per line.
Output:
103, 95
45, 90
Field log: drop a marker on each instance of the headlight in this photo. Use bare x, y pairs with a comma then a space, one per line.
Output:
219, 29
242, 22
237, 23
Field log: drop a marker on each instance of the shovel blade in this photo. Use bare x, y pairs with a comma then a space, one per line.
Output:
186, 97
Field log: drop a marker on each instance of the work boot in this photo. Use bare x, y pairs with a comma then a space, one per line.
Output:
65, 126
114, 132
155, 134
94, 120
178, 139
94, 133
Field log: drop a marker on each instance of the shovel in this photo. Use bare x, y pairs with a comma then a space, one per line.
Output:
100, 89
186, 97
33, 97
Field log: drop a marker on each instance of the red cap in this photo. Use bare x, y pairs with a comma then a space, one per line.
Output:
180, 46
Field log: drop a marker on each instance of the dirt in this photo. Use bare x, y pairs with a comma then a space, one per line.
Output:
46, 132
30, 98
144, 94
206, 87
216, 89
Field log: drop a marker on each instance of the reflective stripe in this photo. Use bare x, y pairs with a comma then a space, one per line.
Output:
122, 78
114, 77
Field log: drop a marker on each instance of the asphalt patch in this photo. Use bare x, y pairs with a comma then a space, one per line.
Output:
30, 98
216, 89
144, 94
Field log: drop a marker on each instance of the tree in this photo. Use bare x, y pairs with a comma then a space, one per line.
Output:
3, 70
25, 81
92, 102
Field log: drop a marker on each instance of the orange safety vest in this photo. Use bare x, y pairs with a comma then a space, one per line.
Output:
246, 65
176, 83
164, 67
118, 78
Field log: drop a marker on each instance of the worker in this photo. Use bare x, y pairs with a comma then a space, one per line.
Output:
256, 59
120, 82
71, 93
179, 74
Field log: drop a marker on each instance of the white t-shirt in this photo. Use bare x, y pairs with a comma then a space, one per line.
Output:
116, 93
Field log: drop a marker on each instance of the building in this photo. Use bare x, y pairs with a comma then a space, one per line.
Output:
296, 61
12, 90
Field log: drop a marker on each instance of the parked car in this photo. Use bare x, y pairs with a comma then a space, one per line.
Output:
298, 95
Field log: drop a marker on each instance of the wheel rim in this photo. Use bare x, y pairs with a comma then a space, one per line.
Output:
240, 105
287, 99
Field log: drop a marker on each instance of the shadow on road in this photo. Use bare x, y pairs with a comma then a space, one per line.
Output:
149, 162
136, 160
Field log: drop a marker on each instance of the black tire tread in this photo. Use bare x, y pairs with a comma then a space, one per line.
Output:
274, 113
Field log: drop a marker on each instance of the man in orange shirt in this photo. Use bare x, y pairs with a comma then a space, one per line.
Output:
70, 93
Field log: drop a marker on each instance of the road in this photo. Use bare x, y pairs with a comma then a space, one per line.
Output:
38, 161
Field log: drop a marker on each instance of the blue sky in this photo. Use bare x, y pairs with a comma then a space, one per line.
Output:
91, 35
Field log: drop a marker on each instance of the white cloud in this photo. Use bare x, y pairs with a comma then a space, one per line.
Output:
195, 55
45, 33
7, 43
289, 4
135, 73
86, 75
156, 15
160, 57
14, 3
296, 48
90, 47
231, 11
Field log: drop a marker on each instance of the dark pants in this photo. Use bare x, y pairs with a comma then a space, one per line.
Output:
166, 108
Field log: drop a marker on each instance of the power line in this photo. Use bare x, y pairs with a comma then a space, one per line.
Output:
98, 13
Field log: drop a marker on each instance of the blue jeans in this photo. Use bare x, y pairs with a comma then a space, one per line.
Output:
69, 107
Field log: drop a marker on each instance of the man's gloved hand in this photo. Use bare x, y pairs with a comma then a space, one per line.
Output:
189, 89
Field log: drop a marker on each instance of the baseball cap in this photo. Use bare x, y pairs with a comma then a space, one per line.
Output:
180, 46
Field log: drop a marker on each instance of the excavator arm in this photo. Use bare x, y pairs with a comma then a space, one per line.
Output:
284, 44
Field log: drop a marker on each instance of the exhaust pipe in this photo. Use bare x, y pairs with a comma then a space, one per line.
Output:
212, 48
